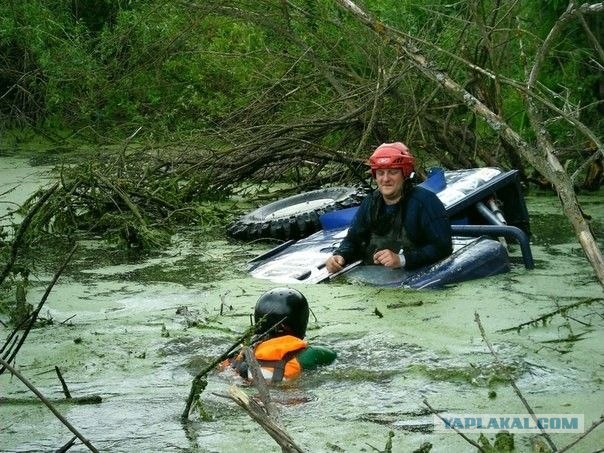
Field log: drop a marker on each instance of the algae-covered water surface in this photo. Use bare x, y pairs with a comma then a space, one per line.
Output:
136, 332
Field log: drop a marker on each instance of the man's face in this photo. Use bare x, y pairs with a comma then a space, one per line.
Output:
390, 183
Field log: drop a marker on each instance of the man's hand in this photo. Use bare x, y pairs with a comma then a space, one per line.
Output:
387, 258
334, 263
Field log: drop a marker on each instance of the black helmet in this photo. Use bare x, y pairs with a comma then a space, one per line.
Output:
282, 304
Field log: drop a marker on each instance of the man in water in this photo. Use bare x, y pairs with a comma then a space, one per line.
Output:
399, 224
281, 317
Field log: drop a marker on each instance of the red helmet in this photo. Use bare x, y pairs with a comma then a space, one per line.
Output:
392, 155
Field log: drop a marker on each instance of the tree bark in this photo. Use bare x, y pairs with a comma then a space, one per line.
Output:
552, 169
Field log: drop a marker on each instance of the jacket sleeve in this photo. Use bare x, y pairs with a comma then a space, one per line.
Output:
431, 230
351, 247
315, 356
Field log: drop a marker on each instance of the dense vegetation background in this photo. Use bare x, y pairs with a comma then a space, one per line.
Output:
97, 70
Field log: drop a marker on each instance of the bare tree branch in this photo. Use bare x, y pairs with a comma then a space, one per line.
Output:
513, 384
592, 38
49, 405
593, 426
466, 438
11, 353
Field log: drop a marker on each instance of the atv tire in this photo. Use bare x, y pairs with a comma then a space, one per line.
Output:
293, 217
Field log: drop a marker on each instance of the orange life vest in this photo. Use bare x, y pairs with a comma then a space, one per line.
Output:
277, 358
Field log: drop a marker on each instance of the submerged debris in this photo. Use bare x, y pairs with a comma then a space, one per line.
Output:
544, 319
127, 202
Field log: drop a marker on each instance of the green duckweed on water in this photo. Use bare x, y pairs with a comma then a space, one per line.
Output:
135, 330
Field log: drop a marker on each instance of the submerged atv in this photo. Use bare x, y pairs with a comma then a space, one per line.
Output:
485, 205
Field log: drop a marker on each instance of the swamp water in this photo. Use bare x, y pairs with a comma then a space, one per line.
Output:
136, 333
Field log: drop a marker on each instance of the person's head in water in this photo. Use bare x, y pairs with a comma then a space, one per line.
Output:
391, 164
285, 310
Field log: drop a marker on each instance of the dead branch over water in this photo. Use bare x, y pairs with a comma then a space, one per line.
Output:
463, 436
544, 318
256, 412
199, 382
12, 351
138, 198
513, 384
48, 404
260, 383
593, 426
78, 400
17, 241
547, 437
265, 414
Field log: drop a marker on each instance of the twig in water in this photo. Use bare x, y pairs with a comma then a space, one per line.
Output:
223, 302
255, 411
63, 384
10, 338
22, 324
583, 323
10, 356
196, 385
466, 438
65, 320
313, 315
593, 426
388, 446
12, 189
48, 404
67, 446
545, 317
79, 400
513, 384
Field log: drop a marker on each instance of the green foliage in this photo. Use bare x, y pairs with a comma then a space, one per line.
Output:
132, 64
504, 443
13, 293
104, 68
133, 200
